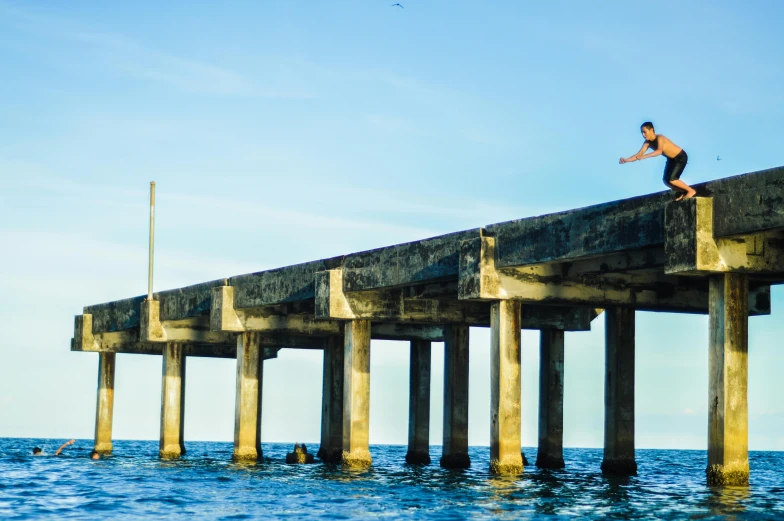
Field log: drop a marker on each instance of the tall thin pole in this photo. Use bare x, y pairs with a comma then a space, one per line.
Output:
152, 238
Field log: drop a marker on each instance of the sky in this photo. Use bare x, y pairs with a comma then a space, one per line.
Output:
284, 132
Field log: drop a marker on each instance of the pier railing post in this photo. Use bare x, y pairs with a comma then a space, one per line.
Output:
551, 394
247, 400
728, 434
172, 401
332, 402
505, 428
419, 403
455, 449
619, 393
104, 407
356, 394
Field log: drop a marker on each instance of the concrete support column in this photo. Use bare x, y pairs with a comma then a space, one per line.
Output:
551, 393
356, 394
728, 411
331, 447
172, 401
104, 406
419, 404
247, 401
455, 453
619, 392
505, 437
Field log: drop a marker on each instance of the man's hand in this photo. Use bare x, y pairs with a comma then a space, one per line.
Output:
622, 161
71, 442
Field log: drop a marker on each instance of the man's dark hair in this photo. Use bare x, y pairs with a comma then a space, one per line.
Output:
36, 450
647, 124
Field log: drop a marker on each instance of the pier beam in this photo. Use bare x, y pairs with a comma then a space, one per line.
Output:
247, 401
104, 406
728, 430
419, 404
356, 394
551, 394
455, 450
505, 442
331, 447
172, 401
619, 393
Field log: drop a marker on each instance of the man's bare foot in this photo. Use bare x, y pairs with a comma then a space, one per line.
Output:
690, 194
680, 197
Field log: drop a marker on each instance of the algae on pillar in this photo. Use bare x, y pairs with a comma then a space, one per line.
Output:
455, 450
551, 393
728, 433
419, 403
356, 394
104, 407
331, 448
247, 401
619, 393
505, 442
172, 401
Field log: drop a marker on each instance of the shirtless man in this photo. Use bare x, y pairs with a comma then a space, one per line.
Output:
38, 452
676, 159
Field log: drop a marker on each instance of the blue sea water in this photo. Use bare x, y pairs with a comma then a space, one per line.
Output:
205, 484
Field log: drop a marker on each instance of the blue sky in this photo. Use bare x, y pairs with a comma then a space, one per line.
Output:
282, 132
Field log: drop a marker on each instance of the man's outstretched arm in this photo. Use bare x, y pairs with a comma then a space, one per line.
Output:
640, 155
64, 445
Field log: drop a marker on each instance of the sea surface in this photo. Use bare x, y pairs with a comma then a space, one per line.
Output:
205, 484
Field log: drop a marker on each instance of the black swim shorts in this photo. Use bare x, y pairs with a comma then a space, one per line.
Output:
674, 167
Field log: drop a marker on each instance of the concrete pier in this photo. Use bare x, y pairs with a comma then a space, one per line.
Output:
172, 401
728, 453
455, 449
551, 394
505, 443
104, 406
619, 393
247, 403
331, 447
356, 395
419, 403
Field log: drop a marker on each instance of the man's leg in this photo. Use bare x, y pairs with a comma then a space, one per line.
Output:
680, 185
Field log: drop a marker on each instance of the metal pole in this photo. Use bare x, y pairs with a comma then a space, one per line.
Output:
152, 238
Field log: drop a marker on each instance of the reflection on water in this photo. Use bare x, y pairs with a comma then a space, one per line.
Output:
206, 484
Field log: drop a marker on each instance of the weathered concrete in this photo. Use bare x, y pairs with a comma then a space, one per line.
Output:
172, 402
331, 448
419, 404
691, 248
455, 447
728, 454
150, 327
619, 393
551, 394
356, 395
104, 406
247, 402
505, 442
481, 278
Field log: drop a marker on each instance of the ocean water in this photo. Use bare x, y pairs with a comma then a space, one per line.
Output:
134, 484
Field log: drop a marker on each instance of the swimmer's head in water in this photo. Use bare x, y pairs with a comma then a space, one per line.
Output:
94, 455
647, 130
37, 451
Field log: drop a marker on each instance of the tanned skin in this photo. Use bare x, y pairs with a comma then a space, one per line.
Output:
670, 150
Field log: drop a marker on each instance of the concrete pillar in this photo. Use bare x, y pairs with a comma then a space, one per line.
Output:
728, 412
505, 438
419, 404
356, 394
551, 393
331, 447
172, 401
247, 400
455, 451
104, 407
619, 392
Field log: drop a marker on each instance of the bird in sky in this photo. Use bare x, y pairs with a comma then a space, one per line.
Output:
718, 158
397, 5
